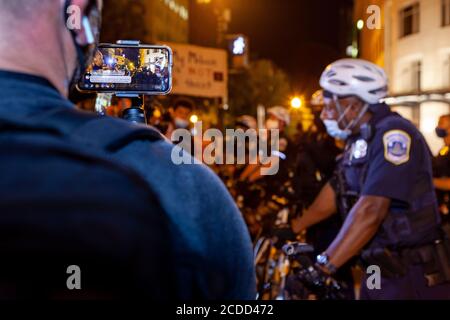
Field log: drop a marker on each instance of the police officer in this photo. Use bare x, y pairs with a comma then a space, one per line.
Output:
384, 188
278, 118
39, 60
316, 161
316, 153
441, 168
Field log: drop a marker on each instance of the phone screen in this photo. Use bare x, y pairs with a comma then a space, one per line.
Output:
138, 69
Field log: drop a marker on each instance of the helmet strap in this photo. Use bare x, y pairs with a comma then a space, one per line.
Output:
349, 126
356, 121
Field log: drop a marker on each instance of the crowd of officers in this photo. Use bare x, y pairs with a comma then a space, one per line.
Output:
327, 164
360, 184
360, 181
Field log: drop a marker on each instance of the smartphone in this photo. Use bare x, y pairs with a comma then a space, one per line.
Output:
139, 69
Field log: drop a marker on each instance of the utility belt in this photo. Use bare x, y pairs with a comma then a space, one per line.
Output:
435, 259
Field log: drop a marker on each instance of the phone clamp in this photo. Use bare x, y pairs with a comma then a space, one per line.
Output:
129, 42
135, 113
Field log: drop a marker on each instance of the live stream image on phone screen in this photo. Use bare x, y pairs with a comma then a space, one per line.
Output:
128, 69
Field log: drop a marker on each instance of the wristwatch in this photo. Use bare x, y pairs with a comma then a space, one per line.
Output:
324, 262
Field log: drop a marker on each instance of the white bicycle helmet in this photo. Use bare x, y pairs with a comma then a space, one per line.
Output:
281, 113
355, 77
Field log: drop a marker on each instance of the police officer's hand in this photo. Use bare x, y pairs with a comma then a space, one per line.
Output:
283, 234
322, 283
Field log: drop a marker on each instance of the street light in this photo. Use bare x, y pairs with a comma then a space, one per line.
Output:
194, 119
296, 103
360, 24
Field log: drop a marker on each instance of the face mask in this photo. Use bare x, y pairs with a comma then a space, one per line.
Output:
85, 54
441, 133
181, 123
334, 130
271, 124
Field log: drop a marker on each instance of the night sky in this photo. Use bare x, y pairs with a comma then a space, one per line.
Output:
300, 36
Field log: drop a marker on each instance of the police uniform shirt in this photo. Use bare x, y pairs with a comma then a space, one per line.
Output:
398, 159
394, 163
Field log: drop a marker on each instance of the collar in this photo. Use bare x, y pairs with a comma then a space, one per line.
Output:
379, 112
22, 94
24, 78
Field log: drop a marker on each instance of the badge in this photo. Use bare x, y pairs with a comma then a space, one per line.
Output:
359, 149
397, 144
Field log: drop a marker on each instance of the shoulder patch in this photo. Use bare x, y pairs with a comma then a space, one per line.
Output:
397, 145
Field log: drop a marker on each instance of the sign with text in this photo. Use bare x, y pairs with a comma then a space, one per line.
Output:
199, 71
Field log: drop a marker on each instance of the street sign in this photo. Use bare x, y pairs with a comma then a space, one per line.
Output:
199, 71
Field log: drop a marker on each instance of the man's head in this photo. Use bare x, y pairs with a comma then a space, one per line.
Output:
182, 112
443, 129
246, 122
159, 60
278, 118
350, 87
316, 101
48, 38
345, 111
98, 59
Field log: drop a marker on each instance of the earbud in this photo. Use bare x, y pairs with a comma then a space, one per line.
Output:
366, 131
88, 31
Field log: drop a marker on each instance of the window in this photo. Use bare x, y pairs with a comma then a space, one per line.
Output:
446, 72
410, 20
411, 76
445, 12
416, 73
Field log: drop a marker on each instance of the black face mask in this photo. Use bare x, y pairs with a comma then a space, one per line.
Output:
441, 133
91, 22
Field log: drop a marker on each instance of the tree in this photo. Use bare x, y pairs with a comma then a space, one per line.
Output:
263, 83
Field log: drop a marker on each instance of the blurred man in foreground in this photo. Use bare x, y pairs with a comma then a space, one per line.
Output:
40, 60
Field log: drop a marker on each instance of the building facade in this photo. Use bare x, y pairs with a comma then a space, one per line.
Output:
370, 42
168, 20
413, 45
150, 21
